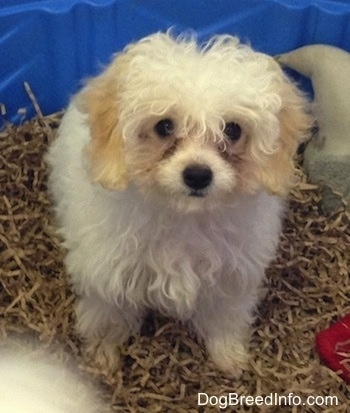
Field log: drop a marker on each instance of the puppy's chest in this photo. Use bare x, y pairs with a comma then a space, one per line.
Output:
190, 247
168, 242
170, 266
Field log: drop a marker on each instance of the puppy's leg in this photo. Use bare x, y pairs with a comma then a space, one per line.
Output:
224, 322
104, 327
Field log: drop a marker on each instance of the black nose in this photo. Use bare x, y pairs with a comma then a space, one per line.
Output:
197, 176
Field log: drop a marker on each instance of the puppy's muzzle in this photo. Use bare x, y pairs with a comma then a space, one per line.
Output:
197, 178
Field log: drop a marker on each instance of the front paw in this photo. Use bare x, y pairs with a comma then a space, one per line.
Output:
229, 355
103, 353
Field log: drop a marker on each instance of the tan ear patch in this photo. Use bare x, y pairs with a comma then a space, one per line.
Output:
278, 174
106, 150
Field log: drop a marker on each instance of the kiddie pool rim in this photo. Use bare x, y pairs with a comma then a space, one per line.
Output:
54, 45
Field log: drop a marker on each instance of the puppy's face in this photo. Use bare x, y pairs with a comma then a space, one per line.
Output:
193, 126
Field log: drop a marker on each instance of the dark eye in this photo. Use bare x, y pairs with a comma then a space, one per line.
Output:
233, 131
164, 128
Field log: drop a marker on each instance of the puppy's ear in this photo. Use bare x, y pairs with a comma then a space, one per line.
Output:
105, 152
278, 174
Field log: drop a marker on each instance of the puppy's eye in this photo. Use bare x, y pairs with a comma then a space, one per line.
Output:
164, 128
233, 131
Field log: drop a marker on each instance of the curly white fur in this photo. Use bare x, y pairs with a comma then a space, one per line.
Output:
137, 238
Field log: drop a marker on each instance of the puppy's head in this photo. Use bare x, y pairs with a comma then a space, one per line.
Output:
194, 125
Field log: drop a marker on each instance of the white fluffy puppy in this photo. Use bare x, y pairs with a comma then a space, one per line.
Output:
36, 381
167, 175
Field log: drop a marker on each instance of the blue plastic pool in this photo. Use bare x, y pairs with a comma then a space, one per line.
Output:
53, 44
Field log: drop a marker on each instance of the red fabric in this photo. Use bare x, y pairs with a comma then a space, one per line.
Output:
333, 346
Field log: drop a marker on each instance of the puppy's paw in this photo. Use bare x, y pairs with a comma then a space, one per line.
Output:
229, 355
104, 354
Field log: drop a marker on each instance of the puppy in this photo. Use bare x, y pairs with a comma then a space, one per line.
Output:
168, 174
34, 380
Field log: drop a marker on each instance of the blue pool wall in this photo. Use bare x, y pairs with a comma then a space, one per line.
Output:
54, 44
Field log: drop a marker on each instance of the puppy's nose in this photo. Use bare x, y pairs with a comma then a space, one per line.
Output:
197, 176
